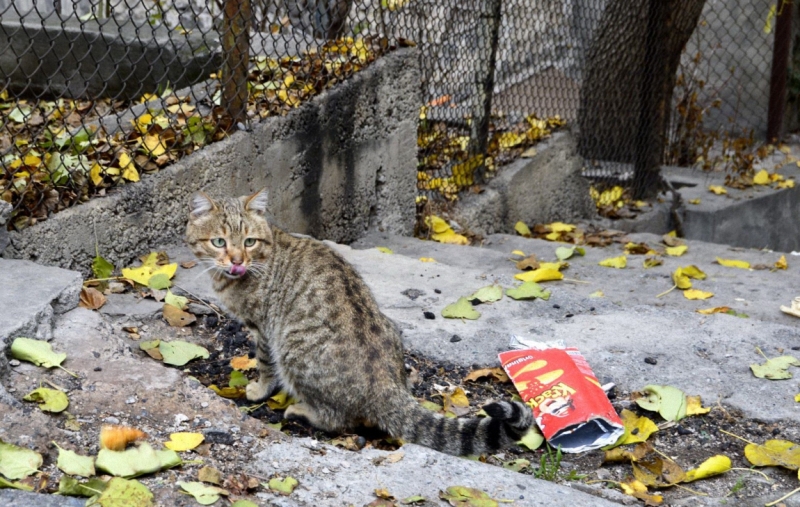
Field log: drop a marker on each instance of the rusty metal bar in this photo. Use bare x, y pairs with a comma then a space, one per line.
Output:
236, 56
780, 62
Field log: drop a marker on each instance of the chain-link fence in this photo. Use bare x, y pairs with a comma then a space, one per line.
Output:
94, 93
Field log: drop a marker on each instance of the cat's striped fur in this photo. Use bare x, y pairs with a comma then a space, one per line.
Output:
321, 335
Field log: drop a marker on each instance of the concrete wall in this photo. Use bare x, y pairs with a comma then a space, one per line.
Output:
342, 162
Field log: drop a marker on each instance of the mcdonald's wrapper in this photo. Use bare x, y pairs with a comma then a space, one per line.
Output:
570, 407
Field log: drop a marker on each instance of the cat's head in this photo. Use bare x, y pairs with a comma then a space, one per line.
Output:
231, 237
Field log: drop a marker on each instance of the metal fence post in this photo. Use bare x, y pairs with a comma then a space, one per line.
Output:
484, 82
778, 79
236, 56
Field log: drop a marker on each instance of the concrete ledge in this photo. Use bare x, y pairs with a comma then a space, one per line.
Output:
100, 58
340, 163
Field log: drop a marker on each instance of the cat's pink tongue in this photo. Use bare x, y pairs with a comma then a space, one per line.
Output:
238, 269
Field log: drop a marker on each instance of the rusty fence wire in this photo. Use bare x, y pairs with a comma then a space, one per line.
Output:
96, 93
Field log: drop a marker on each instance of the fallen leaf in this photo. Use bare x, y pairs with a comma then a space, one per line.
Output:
123, 493
101, 268
776, 368
184, 441
427, 259
528, 290
651, 262
693, 271
179, 302
384, 494
38, 352
18, 462
761, 178
150, 347
636, 489
529, 262
243, 363
280, 401
716, 189
148, 270
209, 474
697, 294
637, 429
384, 249
614, 262
49, 400
413, 500
462, 496
442, 232
461, 309
178, 352
231, 393
694, 406
676, 251
282, 486
694, 201
136, 461
668, 401
522, 229
717, 309
488, 294
518, 252
733, 263
531, 440
782, 453
657, 471
238, 379
70, 486
623, 455
91, 298
597, 294
73, 463
116, 438
714, 465
781, 263
636, 248
517, 465
188, 264
560, 227
176, 317
785, 184
496, 373
202, 493
563, 253
540, 275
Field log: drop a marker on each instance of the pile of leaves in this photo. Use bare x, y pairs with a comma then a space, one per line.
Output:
56, 153
445, 162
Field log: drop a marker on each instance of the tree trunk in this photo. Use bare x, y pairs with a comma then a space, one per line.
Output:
616, 100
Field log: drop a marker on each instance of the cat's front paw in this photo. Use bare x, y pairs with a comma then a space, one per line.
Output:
257, 391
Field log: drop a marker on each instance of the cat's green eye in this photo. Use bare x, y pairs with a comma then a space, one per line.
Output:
249, 242
218, 242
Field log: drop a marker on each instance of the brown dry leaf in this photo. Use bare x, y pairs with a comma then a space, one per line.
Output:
528, 262
188, 264
91, 298
209, 474
620, 454
243, 363
672, 241
657, 471
637, 248
176, 317
496, 373
116, 438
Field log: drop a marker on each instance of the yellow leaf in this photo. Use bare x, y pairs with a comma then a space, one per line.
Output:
436, 224
32, 161
676, 251
427, 259
142, 274
522, 229
761, 178
774, 453
458, 398
637, 429
95, 174
681, 280
694, 201
693, 271
781, 263
450, 237
129, 171
184, 441
153, 145
714, 465
518, 252
143, 122
787, 183
717, 189
697, 294
384, 249
280, 401
561, 227
733, 263
558, 266
716, 309
694, 406
540, 275
614, 262
797, 398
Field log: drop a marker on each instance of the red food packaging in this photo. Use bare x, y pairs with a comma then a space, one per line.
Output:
571, 409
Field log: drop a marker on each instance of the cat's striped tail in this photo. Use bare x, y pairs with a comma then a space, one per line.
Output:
506, 424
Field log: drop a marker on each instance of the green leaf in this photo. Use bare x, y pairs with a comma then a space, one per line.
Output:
528, 290
413, 500
18, 462
176, 301
668, 401
15, 485
563, 253
38, 352
178, 353
49, 400
149, 344
205, 495
73, 463
243, 503
463, 496
488, 294
517, 465
237, 379
123, 493
70, 486
461, 309
282, 486
532, 440
159, 281
101, 268
19, 114
136, 461
776, 368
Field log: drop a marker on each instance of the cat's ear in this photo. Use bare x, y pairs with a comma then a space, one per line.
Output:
201, 204
257, 202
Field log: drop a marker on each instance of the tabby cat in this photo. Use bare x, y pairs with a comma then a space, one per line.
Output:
321, 336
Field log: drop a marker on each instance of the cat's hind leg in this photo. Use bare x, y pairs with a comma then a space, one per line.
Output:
320, 419
267, 383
